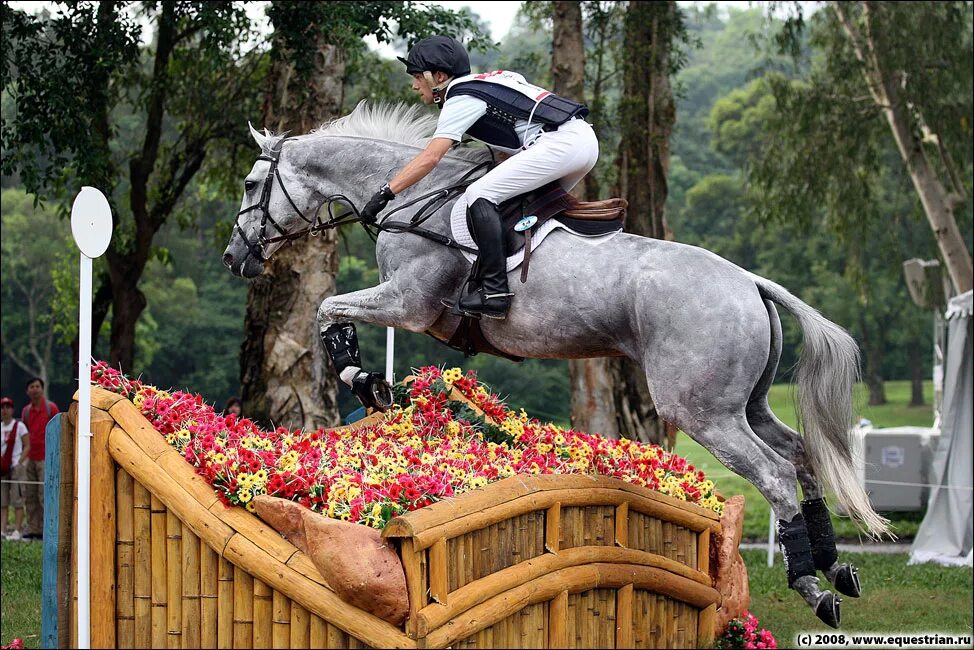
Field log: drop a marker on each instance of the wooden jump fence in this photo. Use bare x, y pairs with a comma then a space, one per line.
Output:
529, 561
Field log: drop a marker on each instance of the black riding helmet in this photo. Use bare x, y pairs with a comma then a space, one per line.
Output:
437, 53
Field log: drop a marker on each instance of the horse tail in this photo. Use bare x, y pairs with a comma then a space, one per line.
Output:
827, 370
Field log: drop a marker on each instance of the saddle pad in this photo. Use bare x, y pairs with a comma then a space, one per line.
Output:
461, 234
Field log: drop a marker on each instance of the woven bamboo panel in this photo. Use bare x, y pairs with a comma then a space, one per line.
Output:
498, 546
200, 600
527, 628
663, 538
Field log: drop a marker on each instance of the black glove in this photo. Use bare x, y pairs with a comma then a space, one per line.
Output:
377, 204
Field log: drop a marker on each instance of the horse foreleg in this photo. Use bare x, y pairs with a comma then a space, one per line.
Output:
385, 305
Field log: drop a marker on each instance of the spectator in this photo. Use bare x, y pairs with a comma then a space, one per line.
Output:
36, 416
234, 405
13, 439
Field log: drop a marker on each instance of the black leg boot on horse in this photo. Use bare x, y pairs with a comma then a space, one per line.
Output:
797, 553
844, 577
371, 388
487, 293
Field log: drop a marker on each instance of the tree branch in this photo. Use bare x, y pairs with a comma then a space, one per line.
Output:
8, 349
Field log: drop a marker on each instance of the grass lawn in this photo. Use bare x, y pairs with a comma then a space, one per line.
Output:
896, 598
20, 592
756, 514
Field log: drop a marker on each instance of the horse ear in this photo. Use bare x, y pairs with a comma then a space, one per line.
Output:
259, 137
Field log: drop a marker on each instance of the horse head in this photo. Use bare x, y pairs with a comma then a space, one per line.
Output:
280, 199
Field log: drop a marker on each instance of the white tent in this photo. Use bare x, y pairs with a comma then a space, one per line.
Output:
946, 535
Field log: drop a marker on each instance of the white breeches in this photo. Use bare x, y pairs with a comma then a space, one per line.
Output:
565, 155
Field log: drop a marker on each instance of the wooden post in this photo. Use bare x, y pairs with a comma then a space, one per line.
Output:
558, 621
52, 519
624, 617
705, 626
552, 528
439, 587
142, 526
65, 533
125, 560
622, 524
102, 533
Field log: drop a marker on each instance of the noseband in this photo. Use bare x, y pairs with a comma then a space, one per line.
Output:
350, 214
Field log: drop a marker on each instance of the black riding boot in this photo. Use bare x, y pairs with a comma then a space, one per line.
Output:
487, 291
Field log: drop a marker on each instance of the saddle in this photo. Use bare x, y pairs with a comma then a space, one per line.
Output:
520, 218
590, 218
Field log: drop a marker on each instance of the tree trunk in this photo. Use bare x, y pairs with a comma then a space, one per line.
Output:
937, 204
285, 376
647, 116
916, 371
873, 345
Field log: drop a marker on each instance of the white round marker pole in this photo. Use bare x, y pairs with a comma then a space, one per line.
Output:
91, 225
390, 352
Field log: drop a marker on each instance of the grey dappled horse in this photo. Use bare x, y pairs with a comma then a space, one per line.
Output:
705, 331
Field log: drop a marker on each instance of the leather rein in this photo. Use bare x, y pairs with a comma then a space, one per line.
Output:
434, 201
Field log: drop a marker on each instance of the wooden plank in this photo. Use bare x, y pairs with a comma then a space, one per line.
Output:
439, 587
706, 625
209, 588
142, 544
552, 527
65, 534
263, 615
224, 599
624, 607
282, 620
412, 567
622, 524
558, 621
192, 592
174, 580
319, 632
300, 627
703, 551
243, 608
52, 519
125, 559
159, 580
101, 537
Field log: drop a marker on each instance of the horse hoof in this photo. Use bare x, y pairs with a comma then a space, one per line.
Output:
827, 609
373, 391
845, 579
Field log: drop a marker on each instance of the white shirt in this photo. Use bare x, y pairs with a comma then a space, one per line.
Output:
18, 441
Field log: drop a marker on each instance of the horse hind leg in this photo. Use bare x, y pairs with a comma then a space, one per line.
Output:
788, 443
736, 445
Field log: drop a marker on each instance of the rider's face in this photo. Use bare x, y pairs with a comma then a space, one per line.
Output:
423, 88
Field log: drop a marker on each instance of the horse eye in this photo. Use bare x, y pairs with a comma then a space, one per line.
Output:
250, 185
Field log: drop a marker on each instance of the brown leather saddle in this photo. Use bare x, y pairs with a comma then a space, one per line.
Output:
589, 218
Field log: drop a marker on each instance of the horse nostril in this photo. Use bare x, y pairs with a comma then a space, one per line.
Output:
227, 259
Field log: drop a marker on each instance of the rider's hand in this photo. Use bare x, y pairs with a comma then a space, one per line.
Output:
377, 204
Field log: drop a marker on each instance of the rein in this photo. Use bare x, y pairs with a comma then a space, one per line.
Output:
434, 201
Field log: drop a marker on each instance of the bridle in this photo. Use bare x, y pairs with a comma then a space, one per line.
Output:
315, 225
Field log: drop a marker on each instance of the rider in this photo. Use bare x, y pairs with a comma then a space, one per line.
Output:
545, 136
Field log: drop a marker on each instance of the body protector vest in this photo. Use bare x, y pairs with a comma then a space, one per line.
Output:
510, 98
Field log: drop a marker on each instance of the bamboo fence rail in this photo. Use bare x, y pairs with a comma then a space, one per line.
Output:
530, 561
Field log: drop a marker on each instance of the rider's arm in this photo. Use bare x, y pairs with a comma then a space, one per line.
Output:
421, 165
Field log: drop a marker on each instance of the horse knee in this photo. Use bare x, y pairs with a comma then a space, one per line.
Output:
326, 315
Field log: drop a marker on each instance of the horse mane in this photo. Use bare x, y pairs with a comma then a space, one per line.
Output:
408, 124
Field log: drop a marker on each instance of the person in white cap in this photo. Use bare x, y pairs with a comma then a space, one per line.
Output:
13, 436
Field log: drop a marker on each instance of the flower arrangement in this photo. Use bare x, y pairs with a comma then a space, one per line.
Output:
16, 644
742, 632
433, 444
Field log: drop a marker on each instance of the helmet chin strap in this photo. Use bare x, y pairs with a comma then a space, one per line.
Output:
436, 90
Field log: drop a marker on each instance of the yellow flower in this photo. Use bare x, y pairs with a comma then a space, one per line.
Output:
478, 482
244, 496
453, 428
451, 375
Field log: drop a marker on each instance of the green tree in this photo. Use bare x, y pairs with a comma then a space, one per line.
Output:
188, 91
34, 245
881, 74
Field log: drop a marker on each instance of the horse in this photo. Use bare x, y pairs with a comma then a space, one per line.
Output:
705, 331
